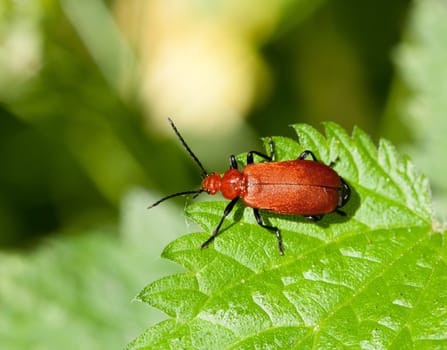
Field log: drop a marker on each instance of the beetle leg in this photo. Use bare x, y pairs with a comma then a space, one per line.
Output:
233, 162
265, 156
250, 156
272, 149
306, 153
314, 217
270, 228
332, 163
227, 211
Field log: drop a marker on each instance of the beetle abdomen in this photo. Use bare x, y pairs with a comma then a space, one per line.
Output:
298, 187
292, 199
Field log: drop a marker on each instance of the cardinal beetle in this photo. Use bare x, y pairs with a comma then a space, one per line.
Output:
292, 187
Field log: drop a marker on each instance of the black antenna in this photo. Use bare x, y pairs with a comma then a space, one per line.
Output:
193, 156
196, 192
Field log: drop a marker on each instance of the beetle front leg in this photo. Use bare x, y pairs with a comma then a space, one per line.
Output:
270, 228
216, 231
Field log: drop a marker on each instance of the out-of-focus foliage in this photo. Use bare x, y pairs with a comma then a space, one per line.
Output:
84, 84
76, 292
423, 108
86, 87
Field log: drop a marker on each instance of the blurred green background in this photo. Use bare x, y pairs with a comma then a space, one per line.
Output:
86, 87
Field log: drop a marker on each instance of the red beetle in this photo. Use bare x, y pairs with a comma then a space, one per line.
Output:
293, 187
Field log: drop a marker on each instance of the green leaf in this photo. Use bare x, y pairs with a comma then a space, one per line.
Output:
374, 279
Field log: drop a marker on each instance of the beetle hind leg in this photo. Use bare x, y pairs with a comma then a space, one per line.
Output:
273, 229
306, 153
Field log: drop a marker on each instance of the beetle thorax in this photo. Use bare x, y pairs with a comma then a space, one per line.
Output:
231, 184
